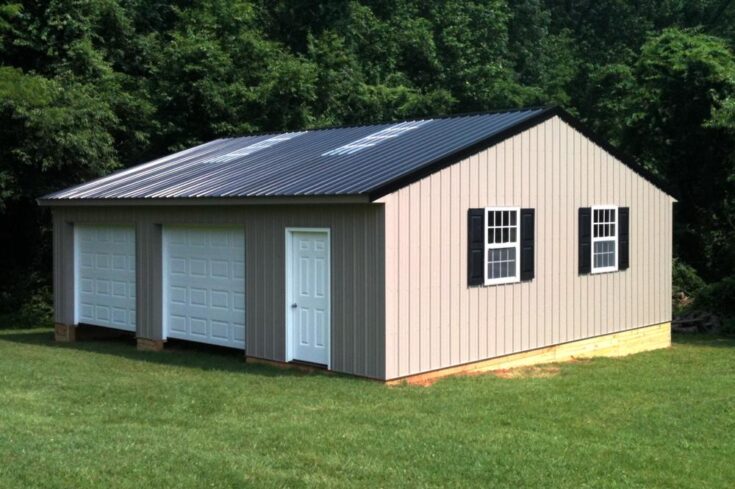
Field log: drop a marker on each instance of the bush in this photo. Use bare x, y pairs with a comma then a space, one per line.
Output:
686, 286
718, 298
36, 312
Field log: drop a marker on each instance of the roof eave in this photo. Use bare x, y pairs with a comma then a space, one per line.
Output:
207, 201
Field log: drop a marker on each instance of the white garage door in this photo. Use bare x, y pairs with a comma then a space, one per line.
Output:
204, 285
105, 276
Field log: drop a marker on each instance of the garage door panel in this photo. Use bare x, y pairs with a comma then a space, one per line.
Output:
220, 300
105, 276
205, 285
119, 316
238, 332
197, 267
102, 313
177, 324
238, 301
220, 269
197, 297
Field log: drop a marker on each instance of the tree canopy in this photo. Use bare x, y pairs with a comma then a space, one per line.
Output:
88, 86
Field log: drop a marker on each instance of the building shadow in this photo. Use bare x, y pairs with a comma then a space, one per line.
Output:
176, 353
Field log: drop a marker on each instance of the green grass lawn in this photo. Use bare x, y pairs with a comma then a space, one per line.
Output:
100, 414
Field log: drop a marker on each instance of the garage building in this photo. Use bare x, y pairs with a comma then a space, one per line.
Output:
395, 251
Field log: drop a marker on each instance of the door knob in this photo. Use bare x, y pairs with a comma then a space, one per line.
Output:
293, 306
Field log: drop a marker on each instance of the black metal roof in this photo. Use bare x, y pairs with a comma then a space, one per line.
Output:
348, 161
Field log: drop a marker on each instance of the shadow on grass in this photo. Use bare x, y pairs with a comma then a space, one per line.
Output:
702, 339
176, 353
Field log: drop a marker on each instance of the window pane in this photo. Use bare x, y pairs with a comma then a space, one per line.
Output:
611, 255
604, 254
505, 235
513, 218
502, 263
490, 218
513, 235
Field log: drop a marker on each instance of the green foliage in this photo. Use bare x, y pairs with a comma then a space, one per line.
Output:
686, 285
718, 298
672, 102
35, 311
52, 132
87, 87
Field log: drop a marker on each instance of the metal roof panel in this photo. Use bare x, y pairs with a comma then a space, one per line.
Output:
308, 163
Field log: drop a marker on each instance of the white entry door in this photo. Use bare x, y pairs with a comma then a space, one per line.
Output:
308, 295
204, 285
105, 276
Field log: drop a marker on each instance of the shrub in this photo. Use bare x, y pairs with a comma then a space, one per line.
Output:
719, 297
35, 312
686, 286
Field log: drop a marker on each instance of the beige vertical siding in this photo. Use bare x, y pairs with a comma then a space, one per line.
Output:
434, 320
357, 277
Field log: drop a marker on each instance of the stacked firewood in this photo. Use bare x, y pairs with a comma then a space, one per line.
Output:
696, 322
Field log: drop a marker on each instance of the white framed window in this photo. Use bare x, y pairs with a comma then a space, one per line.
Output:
502, 245
604, 238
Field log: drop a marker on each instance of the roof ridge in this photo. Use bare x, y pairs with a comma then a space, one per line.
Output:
398, 121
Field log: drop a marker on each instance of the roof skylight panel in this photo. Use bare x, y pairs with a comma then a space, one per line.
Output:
376, 138
252, 148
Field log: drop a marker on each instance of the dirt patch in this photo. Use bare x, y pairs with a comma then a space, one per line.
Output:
539, 372
531, 372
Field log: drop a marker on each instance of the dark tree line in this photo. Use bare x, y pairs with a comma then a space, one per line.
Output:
87, 86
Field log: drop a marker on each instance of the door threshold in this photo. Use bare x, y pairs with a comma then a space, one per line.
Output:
310, 364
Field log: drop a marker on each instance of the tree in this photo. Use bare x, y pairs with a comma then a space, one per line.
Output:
675, 104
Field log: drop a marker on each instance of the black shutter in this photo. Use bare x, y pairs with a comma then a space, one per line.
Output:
475, 246
527, 239
623, 238
585, 240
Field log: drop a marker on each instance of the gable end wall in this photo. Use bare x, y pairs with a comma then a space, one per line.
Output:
434, 320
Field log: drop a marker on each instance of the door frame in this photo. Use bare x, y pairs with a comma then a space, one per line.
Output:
290, 231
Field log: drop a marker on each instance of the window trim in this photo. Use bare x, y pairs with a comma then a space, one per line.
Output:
487, 246
593, 240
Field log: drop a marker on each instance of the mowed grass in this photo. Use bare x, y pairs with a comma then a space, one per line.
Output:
100, 414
